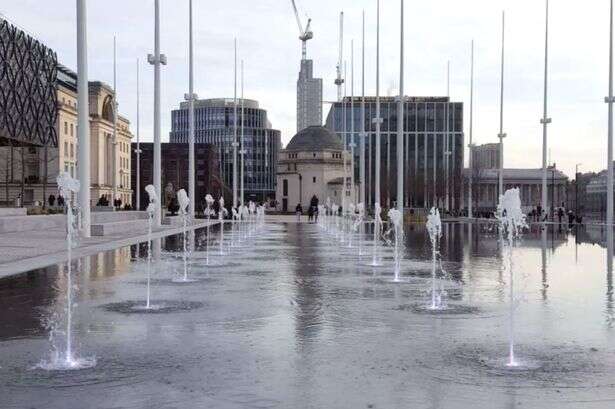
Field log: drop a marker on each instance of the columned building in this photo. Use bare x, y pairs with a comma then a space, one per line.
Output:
102, 150
485, 183
312, 164
309, 97
426, 143
214, 124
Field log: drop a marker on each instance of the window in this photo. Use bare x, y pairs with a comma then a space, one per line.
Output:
314, 179
65, 128
285, 187
71, 130
72, 151
65, 149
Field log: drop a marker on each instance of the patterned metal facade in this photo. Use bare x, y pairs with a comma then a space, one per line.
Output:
28, 80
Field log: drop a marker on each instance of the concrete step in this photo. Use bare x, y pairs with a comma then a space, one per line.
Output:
112, 217
12, 224
13, 211
125, 226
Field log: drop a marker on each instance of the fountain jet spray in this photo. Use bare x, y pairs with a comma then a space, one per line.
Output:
512, 221
434, 227
152, 208
184, 203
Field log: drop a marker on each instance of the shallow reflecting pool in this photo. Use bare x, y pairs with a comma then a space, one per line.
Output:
291, 319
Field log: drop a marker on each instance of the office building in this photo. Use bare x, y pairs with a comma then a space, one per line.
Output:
214, 124
309, 97
175, 172
425, 136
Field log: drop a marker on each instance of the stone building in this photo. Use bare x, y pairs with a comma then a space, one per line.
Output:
312, 164
529, 181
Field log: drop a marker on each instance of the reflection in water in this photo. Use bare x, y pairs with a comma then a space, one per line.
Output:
543, 256
27, 300
609, 276
308, 290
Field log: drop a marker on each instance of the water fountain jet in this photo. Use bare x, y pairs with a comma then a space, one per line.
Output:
67, 359
511, 221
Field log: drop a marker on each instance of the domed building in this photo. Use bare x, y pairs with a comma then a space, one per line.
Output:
312, 164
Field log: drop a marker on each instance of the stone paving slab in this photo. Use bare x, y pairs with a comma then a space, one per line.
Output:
25, 251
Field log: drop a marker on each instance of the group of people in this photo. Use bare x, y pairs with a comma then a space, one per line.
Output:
537, 214
52, 200
312, 210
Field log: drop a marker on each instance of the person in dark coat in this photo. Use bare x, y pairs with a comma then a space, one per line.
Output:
51, 200
299, 211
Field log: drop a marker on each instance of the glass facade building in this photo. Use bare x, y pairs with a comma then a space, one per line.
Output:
214, 124
425, 143
309, 97
28, 81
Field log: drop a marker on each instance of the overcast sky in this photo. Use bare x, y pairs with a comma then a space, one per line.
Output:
436, 31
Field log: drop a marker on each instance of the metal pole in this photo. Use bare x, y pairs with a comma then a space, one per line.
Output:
545, 119
242, 150
610, 100
156, 60
235, 131
447, 130
191, 98
138, 152
352, 142
345, 136
377, 120
363, 134
114, 143
400, 121
502, 135
470, 163
83, 118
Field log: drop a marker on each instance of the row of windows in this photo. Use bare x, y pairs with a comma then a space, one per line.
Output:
418, 117
295, 155
69, 148
70, 103
66, 124
219, 118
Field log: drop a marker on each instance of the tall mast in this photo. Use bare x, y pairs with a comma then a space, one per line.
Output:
242, 150
502, 135
114, 143
234, 144
83, 127
470, 146
363, 135
610, 100
191, 98
377, 119
400, 120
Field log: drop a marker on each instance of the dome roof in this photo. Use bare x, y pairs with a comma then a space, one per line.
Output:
314, 138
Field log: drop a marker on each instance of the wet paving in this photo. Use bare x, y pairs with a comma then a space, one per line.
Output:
294, 320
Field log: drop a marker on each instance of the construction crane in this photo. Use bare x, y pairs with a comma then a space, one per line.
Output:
339, 81
306, 34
